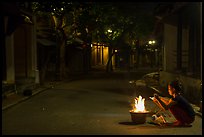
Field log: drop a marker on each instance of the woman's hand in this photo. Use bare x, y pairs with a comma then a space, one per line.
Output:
156, 95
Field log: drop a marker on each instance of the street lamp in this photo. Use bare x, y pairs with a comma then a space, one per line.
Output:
153, 50
152, 42
109, 30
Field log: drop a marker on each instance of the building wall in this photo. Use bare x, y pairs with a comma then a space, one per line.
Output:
20, 52
190, 42
17, 46
10, 68
170, 43
185, 48
99, 55
170, 48
23, 51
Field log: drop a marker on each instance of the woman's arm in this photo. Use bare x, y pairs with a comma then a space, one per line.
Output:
163, 102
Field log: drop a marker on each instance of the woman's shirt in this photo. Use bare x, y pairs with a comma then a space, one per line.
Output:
183, 103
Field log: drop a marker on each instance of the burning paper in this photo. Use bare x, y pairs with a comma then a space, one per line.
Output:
152, 98
139, 105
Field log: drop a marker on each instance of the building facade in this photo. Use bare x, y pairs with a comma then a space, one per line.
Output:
182, 46
18, 46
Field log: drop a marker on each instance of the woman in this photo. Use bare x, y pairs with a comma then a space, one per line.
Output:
177, 105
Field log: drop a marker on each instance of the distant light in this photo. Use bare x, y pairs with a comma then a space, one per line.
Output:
152, 42
116, 50
62, 9
109, 30
26, 19
91, 45
54, 9
87, 30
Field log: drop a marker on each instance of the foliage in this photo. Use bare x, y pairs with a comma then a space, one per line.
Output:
91, 20
118, 25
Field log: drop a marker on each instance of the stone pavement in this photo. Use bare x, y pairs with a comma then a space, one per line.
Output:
13, 98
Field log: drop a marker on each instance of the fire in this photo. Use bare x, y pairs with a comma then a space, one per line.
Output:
139, 105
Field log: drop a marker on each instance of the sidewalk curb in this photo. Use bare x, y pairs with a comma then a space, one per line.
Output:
35, 92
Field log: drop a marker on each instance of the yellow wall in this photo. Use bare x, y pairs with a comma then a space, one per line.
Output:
99, 55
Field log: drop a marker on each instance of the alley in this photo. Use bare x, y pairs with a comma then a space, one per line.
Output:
97, 104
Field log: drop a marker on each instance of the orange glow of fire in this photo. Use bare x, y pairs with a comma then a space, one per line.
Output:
139, 105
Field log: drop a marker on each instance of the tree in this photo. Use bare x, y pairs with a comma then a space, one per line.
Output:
90, 21
64, 15
139, 26
130, 25
109, 26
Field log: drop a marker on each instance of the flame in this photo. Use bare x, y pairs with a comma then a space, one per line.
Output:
139, 105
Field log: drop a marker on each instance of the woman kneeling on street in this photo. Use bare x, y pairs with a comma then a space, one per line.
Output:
177, 105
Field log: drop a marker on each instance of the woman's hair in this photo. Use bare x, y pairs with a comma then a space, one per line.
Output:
176, 85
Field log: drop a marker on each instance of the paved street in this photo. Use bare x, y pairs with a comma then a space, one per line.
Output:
93, 105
